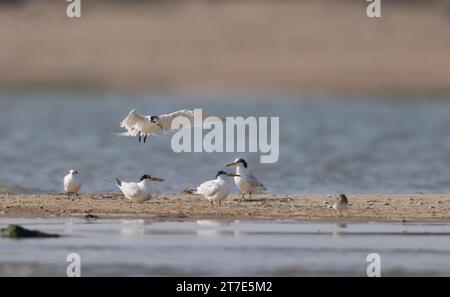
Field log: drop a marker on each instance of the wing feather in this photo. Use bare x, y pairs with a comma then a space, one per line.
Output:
130, 190
165, 120
255, 183
208, 188
135, 123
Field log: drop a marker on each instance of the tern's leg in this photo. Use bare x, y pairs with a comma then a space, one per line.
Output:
212, 203
145, 138
250, 195
139, 137
243, 195
220, 203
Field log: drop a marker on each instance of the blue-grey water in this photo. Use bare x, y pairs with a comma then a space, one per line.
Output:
226, 248
327, 145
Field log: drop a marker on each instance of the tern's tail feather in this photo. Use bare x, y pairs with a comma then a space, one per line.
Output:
131, 133
118, 182
261, 189
189, 190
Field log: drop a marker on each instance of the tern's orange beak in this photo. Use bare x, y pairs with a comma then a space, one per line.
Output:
157, 179
233, 174
231, 164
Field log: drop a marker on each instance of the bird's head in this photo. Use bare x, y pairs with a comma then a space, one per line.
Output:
73, 172
224, 173
238, 162
154, 119
147, 177
342, 197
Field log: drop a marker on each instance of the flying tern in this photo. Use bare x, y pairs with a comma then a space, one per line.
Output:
137, 125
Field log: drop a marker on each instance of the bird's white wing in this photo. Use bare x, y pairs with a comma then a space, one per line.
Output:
135, 123
255, 183
129, 133
66, 182
165, 120
208, 188
130, 189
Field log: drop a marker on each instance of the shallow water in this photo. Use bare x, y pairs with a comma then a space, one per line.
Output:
226, 248
327, 145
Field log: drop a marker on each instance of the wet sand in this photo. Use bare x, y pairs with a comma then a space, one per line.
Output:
386, 208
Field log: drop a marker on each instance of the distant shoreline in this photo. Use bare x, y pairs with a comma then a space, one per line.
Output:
297, 46
363, 208
217, 95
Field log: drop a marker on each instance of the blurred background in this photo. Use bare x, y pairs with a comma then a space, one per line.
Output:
363, 102
299, 46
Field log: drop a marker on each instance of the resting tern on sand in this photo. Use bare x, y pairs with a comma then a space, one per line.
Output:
139, 125
245, 180
216, 189
138, 192
72, 183
341, 203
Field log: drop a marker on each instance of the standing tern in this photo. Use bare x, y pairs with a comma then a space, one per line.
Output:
341, 203
138, 192
216, 189
139, 125
245, 180
72, 183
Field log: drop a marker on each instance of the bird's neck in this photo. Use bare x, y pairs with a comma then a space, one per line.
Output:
240, 169
144, 183
222, 179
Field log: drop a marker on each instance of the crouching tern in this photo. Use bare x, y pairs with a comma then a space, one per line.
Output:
245, 180
138, 192
215, 190
141, 126
341, 203
72, 183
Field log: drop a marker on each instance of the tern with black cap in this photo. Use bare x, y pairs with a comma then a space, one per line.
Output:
138, 191
245, 180
215, 190
137, 125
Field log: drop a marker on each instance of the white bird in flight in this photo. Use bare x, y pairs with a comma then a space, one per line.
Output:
245, 180
143, 126
138, 192
216, 189
72, 183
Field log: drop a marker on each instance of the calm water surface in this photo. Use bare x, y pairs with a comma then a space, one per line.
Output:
226, 248
326, 145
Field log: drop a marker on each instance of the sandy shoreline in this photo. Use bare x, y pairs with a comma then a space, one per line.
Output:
390, 208
297, 46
